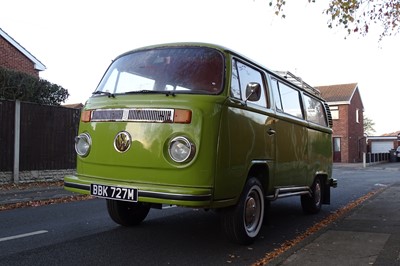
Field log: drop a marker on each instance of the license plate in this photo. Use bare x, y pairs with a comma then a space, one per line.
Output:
114, 192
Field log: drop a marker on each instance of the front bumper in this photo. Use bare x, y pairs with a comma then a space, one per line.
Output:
333, 182
150, 193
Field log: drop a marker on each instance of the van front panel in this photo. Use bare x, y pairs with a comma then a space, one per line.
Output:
146, 164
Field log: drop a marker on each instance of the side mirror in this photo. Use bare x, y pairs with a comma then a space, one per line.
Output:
253, 92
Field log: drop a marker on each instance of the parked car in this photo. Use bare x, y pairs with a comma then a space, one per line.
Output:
398, 153
198, 125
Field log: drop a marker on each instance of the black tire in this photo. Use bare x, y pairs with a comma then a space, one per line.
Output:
127, 213
312, 204
242, 222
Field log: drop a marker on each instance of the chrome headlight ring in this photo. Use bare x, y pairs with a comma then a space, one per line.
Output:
181, 150
83, 143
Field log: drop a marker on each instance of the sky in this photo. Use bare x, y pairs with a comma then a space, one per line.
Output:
76, 41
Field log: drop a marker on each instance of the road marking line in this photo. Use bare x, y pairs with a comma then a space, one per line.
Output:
168, 206
23, 235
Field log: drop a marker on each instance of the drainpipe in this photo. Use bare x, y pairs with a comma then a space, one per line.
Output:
17, 132
364, 160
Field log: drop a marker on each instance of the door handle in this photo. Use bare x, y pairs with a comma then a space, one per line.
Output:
271, 132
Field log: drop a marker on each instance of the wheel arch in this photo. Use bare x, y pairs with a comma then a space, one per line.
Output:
260, 170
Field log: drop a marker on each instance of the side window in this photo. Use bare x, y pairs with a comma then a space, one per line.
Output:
235, 87
276, 94
315, 111
290, 100
248, 74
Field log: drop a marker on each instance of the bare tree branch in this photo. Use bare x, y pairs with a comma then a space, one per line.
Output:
357, 16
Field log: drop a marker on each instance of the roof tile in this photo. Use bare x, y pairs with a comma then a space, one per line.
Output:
337, 93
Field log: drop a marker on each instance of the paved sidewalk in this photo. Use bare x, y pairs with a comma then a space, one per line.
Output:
32, 194
368, 235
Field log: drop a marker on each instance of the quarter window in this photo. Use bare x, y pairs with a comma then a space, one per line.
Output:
235, 86
315, 111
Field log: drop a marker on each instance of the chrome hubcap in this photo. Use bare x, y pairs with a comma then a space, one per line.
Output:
317, 193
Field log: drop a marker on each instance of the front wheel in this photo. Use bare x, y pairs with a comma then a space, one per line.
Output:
312, 204
242, 222
127, 213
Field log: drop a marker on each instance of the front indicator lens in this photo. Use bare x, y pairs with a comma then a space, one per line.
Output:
181, 150
82, 144
182, 116
86, 116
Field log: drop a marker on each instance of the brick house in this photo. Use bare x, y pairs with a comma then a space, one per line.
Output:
347, 110
14, 56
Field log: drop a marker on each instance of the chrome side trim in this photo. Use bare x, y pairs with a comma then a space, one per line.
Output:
285, 192
259, 162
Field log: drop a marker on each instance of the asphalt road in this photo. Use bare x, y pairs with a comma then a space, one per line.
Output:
81, 233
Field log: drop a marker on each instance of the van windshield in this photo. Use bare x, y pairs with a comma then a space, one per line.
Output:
197, 70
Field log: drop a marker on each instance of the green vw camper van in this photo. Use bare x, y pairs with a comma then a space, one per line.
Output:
199, 125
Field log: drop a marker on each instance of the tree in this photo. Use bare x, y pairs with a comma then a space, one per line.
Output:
356, 16
368, 126
16, 85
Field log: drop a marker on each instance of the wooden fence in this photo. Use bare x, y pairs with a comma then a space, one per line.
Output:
7, 114
44, 139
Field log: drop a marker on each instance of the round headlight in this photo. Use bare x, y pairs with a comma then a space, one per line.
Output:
82, 144
181, 150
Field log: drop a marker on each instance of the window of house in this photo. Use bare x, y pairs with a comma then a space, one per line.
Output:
334, 112
241, 76
357, 115
336, 144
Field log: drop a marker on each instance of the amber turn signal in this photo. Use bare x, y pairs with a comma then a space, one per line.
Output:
86, 115
182, 116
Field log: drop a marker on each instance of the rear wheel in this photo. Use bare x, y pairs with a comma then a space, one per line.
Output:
242, 222
127, 213
312, 204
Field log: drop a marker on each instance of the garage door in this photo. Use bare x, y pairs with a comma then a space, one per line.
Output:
381, 146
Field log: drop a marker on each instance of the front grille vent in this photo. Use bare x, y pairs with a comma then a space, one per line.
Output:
133, 115
107, 115
150, 115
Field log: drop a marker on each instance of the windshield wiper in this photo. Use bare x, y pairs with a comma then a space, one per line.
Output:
167, 93
109, 94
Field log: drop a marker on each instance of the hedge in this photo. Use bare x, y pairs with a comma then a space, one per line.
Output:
15, 85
